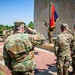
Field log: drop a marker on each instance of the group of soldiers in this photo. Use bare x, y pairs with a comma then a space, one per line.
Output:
8, 32
63, 45
18, 50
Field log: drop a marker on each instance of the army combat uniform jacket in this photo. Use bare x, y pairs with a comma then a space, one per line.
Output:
62, 44
19, 51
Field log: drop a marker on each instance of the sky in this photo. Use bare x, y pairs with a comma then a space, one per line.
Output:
16, 10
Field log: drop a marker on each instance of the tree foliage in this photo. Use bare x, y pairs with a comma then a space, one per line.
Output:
31, 25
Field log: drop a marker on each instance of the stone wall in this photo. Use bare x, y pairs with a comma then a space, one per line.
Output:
65, 10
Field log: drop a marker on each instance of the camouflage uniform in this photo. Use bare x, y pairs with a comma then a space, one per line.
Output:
62, 52
2, 65
49, 32
4, 33
73, 53
19, 52
2, 69
11, 31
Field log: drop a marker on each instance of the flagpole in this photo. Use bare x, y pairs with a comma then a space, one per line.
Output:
49, 35
50, 11
49, 14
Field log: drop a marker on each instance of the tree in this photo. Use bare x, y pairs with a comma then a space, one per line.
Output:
31, 25
8, 27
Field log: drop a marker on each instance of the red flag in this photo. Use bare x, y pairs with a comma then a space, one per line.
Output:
53, 16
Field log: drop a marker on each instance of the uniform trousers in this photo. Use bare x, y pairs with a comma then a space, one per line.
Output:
62, 65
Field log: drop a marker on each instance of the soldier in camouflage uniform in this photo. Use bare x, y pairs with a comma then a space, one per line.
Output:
62, 50
19, 50
2, 69
73, 52
49, 31
4, 33
11, 31
2, 65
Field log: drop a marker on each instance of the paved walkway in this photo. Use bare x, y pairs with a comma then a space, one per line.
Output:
45, 62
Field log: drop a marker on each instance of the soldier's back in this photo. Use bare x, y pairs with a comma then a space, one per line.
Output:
20, 49
64, 43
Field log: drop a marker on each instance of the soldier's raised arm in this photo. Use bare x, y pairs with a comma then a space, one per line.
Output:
37, 39
29, 30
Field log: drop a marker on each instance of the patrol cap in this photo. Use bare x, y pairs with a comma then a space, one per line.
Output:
63, 25
19, 24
